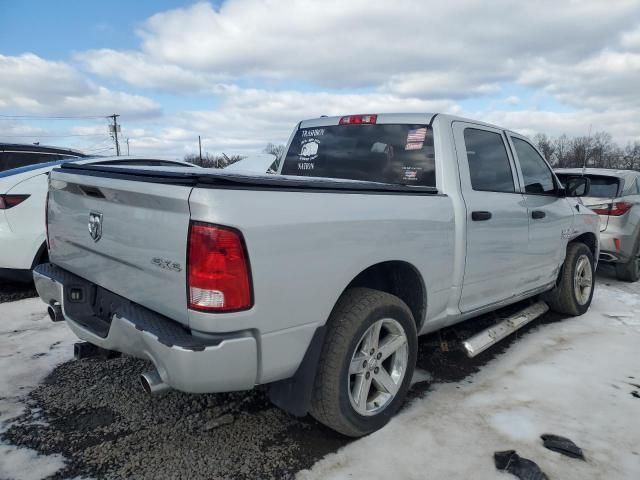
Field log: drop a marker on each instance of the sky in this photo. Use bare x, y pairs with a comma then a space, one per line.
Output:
242, 73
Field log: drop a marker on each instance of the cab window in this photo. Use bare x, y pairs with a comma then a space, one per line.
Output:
489, 166
537, 175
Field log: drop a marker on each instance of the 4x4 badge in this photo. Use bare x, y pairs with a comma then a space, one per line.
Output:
95, 226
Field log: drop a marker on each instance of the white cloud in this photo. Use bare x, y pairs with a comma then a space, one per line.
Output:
360, 42
31, 84
396, 56
247, 119
605, 81
623, 124
138, 69
631, 39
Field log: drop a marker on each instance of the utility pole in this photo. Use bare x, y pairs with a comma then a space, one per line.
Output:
115, 128
127, 146
200, 147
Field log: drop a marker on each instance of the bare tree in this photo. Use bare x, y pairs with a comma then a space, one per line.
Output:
546, 146
598, 150
212, 161
273, 149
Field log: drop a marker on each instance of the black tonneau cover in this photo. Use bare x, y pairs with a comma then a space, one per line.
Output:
237, 181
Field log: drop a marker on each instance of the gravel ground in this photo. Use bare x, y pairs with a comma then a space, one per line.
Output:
95, 413
10, 291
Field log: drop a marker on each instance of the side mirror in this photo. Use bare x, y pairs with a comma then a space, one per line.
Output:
577, 186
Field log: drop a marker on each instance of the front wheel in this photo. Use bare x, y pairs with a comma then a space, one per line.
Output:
366, 364
574, 291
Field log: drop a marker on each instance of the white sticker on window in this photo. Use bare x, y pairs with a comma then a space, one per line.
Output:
410, 174
309, 149
313, 132
414, 146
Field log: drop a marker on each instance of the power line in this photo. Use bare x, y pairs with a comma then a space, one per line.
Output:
56, 136
52, 117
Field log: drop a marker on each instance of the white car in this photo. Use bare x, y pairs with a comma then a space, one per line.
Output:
260, 163
23, 193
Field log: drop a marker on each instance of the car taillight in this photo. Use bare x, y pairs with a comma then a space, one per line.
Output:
615, 209
359, 119
10, 201
219, 278
46, 220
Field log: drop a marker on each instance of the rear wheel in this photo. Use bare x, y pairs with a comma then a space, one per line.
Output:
574, 291
366, 364
630, 271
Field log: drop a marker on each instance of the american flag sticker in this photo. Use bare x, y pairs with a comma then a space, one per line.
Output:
413, 146
416, 135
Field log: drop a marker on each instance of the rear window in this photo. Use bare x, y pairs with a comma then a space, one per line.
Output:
388, 153
605, 187
9, 160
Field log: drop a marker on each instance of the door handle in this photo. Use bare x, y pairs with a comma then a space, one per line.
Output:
480, 216
538, 214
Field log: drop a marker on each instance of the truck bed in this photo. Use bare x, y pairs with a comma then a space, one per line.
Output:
306, 238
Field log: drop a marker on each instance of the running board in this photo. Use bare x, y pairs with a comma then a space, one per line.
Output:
483, 340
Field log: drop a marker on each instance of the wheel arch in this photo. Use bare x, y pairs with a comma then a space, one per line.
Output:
590, 240
399, 278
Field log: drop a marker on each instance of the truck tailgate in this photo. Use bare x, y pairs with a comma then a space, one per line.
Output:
135, 246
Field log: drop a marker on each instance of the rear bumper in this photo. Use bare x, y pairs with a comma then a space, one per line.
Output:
16, 275
608, 250
17, 251
185, 360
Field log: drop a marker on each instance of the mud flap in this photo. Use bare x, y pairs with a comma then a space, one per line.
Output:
293, 395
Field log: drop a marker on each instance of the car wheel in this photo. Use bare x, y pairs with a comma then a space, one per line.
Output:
574, 291
366, 363
630, 271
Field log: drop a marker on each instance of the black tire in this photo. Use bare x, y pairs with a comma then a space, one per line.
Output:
356, 311
562, 298
629, 271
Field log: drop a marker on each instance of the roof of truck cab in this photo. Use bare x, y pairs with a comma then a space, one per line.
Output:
411, 118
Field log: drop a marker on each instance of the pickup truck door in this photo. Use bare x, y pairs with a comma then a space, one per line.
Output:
496, 217
550, 216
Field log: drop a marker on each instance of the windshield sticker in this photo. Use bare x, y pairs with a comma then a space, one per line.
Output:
410, 174
313, 132
416, 135
309, 149
414, 146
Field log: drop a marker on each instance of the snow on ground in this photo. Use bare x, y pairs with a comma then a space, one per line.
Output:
30, 347
572, 378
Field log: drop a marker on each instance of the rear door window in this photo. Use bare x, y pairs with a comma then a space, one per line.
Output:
9, 160
604, 187
489, 165
387, 153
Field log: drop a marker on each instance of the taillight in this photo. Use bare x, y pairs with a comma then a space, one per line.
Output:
10, 201
217, 269
46, 220
358, 119
614, 209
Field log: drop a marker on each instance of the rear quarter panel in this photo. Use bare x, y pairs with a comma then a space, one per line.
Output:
305, 248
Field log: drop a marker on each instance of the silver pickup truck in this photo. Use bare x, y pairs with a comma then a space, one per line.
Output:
317, 281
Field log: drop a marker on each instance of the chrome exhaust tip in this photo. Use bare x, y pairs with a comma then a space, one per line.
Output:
152, 383
55, 312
